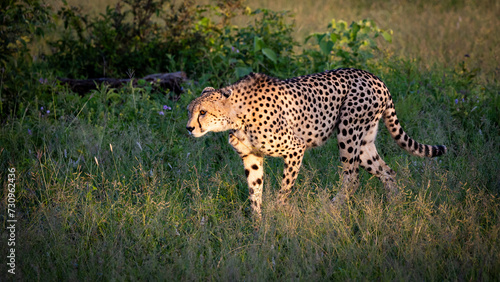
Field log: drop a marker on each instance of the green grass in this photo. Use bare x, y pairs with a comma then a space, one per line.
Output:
162, 204
109, 189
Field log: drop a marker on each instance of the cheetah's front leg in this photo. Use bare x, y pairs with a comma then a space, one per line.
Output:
293, 161
254, 170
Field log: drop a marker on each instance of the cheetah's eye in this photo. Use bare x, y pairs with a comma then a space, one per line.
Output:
202, 112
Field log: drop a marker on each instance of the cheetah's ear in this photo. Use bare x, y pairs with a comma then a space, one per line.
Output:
207, 89
226, 92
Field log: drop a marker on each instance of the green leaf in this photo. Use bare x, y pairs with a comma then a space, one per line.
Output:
334, 37
270, 54
258, 44
309, 37
242, 71
354, 31
341, 25
332, 24
326, 47
365, 30
320, 36
113, 96
317, 36
387, 36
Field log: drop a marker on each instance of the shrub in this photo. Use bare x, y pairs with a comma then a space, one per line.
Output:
151, 36
266, 45
20, 22
144, 35
346, 46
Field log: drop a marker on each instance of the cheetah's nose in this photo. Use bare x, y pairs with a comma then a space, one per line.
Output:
190, 128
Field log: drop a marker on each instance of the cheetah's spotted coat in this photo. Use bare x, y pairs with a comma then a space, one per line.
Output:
282, 118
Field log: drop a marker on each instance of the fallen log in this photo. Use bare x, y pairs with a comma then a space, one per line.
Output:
172, 81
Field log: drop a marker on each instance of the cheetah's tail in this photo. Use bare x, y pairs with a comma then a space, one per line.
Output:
406, 142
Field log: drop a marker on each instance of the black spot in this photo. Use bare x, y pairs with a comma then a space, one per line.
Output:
259, 181
254, 166
247, 172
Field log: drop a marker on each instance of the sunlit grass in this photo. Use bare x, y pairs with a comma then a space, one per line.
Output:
108, 196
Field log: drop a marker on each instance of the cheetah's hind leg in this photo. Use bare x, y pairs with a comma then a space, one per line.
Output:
349, 149
375, 165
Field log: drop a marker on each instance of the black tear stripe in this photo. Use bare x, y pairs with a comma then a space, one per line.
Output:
199, 123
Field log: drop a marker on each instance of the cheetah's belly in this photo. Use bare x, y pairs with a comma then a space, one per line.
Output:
316, 122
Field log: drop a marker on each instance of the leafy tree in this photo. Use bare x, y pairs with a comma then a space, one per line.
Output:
20, 22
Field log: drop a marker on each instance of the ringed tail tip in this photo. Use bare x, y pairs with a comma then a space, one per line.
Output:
439, 150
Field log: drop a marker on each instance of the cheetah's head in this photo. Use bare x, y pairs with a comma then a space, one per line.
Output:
210, 112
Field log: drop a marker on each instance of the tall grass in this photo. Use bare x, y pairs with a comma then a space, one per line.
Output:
111, 187
106, 196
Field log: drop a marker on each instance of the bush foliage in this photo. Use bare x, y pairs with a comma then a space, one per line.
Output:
21, 21
147, 36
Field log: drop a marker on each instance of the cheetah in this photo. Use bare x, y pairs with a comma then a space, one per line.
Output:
267, 116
